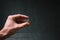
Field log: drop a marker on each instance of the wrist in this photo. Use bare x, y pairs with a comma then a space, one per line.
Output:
3, 34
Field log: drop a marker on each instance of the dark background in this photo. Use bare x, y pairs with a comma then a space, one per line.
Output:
44, 15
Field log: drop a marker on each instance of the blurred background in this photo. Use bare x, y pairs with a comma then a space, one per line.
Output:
43, 14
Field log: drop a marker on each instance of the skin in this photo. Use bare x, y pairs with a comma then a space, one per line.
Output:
12, 25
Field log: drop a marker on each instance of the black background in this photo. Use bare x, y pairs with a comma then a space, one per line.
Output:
44, 15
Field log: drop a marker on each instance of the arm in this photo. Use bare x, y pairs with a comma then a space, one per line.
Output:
12, 25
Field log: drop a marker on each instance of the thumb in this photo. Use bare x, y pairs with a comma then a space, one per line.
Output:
23, 24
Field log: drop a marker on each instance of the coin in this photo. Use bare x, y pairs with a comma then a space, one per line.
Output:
27, 20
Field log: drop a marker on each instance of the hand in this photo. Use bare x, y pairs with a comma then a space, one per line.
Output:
13, 24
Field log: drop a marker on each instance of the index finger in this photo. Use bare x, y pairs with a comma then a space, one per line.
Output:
19, 15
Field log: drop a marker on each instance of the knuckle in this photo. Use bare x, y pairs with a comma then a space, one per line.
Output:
18, 14
10, 16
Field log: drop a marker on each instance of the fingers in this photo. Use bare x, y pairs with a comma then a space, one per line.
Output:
23, 25
18, 15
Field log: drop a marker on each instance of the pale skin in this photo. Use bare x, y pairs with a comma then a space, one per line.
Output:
11, 26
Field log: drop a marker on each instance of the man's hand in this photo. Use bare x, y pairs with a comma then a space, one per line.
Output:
13, 24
